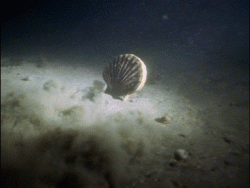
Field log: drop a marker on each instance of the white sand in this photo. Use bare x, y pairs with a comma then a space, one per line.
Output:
59, 128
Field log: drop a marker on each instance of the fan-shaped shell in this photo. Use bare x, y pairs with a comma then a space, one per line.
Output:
125, 75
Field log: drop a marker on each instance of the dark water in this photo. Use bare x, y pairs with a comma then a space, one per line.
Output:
86, 30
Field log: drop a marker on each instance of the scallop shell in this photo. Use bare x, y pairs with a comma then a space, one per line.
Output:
125, 75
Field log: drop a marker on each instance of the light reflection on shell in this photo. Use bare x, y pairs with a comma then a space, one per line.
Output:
125, 75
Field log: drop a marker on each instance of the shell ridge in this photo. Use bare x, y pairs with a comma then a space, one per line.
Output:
129, 76
130, 72
122, 68
129, 67
124, 73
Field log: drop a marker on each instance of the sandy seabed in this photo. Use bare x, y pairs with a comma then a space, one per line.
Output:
59, 129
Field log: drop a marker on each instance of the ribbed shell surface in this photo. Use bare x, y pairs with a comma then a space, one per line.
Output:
124, 75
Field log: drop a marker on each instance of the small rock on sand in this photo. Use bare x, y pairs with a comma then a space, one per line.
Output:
164, 120
180, 154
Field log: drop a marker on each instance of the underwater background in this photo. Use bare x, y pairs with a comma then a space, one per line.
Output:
187, 127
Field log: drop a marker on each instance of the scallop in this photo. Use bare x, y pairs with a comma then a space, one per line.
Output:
125, 75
